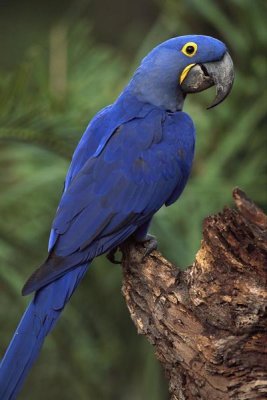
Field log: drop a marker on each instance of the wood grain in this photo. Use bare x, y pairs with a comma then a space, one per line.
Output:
208, 324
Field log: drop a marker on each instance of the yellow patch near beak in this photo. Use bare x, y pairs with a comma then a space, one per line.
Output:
185, 72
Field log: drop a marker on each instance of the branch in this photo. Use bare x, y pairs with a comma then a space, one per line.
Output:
208, 324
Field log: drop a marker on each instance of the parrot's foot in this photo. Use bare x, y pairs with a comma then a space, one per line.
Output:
111, 256
150, 244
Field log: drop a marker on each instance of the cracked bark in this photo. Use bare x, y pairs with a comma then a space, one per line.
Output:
208, 324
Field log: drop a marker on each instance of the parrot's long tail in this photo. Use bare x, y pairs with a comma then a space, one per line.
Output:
38, 320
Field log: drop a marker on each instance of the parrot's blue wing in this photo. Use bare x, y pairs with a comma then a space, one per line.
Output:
117, 191
97, 134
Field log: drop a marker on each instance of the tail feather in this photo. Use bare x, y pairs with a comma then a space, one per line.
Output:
37, 321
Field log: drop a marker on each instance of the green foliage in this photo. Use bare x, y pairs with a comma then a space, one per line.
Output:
94, 353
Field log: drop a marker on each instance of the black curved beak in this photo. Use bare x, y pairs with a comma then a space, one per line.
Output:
218, 73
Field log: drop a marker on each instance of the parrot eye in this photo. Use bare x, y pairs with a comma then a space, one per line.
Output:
189, 49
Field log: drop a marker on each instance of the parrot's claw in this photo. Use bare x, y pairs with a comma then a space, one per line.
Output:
150, 244
111, 256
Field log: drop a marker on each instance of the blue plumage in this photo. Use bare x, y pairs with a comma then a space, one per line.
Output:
37, 321
134, 157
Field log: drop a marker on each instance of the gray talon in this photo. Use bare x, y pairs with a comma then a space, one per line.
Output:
150, 244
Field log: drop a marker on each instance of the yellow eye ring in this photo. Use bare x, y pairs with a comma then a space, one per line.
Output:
189, 49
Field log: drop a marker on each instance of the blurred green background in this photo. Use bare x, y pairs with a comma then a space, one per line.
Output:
60, 63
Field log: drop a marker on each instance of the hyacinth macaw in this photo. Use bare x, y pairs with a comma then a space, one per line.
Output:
134, 157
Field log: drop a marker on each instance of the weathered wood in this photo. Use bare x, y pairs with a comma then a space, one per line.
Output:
209, 323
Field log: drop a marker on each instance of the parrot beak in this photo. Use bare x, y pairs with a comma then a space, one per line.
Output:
202, 76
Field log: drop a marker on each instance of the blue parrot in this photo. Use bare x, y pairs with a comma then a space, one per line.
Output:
134, 157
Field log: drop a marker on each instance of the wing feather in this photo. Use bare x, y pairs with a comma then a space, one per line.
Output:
115, 192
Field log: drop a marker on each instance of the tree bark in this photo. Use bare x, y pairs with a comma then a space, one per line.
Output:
208, 324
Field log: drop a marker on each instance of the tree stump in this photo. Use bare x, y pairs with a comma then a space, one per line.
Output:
208, 324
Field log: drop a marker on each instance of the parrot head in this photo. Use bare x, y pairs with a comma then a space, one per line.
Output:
186, 64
